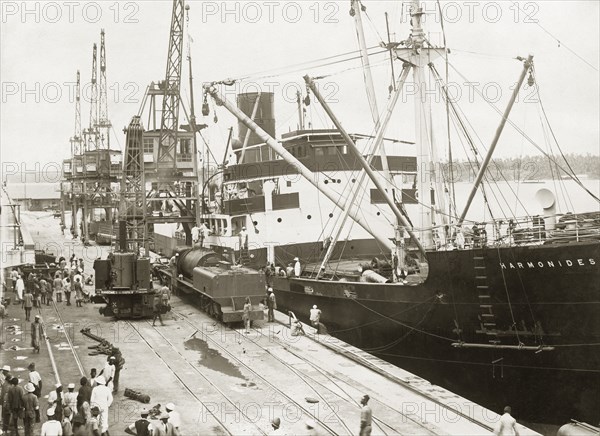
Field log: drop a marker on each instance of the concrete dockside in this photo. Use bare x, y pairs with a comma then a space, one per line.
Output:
223, 381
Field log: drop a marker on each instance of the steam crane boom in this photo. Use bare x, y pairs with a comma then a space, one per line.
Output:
167, 145
103, 121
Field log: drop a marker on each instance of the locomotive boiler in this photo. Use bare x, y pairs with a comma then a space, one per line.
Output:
217, 286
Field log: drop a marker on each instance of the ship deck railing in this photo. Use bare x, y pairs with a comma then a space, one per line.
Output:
529, 230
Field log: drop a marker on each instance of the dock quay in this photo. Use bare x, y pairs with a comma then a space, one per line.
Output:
223, 381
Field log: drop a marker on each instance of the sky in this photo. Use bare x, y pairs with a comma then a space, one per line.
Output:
270, 45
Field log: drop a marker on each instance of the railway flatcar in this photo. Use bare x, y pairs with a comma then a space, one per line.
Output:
123, 283
219, 288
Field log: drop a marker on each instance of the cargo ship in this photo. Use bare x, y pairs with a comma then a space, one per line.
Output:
489, 309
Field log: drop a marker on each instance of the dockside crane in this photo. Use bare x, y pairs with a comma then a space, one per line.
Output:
93, 168
161, 163
70, 165
103, 124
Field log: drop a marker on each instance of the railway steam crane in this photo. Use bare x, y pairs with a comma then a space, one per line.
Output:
161, 160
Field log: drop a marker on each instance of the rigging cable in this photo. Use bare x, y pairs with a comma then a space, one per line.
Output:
573, 175
528, 138
295, 68
515, 3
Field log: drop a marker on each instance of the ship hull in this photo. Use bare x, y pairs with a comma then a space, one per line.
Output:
544, 296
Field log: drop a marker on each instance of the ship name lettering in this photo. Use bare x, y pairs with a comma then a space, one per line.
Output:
548, 263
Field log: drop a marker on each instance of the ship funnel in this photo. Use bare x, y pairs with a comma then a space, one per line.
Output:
262, 106
547, 200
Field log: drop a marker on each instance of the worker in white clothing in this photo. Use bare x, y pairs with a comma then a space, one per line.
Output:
507, 426
109, 371
102, 399
174, 417
70, 397
51, 427
297, 267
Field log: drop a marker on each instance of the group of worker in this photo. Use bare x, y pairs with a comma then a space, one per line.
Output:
294, 269
38, 288
68, 413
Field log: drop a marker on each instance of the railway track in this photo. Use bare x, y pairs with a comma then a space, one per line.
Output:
225, 428
416, 427
330, 390
288, 399
346, 396
381, 423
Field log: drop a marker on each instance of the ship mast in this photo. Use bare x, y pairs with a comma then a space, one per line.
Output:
419, 54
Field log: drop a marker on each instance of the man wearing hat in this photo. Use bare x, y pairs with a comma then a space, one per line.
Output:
36, 379
36, 333
165, 428
174, 417
366, 416
51, 427
70, 397
5, 371
102, 399
141, 427
32, 409
15, 403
